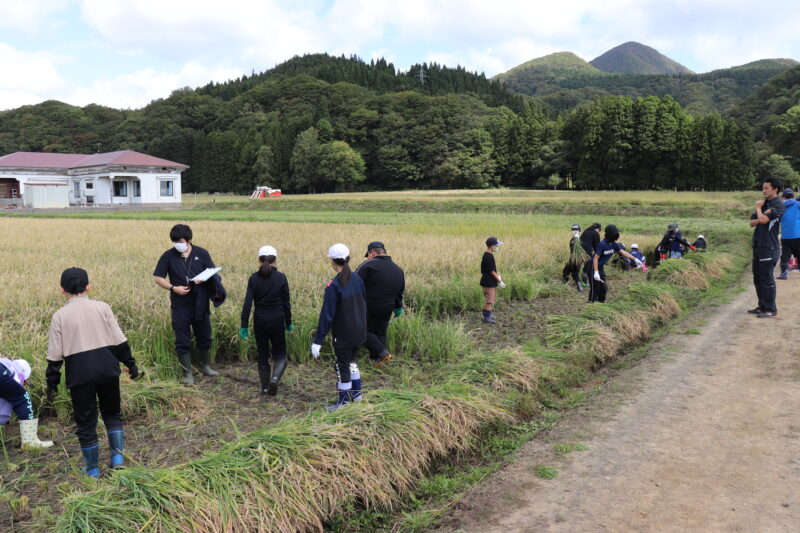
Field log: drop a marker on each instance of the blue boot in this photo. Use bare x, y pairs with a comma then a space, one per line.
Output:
344, 397
355, 383
91, 456
784, 275
116, 445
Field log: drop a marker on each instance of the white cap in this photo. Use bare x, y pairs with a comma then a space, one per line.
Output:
700, 237
267, 250
634, 245
339, 251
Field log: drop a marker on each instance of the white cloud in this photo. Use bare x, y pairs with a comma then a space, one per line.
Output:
28, 77
28, 16
139, 88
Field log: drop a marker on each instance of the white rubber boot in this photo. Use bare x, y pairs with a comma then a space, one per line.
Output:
28, 430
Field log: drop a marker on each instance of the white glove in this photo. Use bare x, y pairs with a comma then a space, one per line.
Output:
315, 348
501, 284
639, 263
597, 276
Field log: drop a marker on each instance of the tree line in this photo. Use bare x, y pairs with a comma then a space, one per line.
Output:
368, 127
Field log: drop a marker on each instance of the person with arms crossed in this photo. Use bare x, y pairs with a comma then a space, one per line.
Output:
766, 224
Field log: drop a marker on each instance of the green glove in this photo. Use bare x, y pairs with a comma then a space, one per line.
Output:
244, 333
398, 311
290, 328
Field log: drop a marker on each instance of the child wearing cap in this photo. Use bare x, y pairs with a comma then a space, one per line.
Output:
85, 335
637, 254
490, 279
269, 290
700, 243
344, 314
577, 258
607, 247
14, 397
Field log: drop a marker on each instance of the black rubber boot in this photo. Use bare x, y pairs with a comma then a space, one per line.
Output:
264, 376
277, 373
185, 360
203, 358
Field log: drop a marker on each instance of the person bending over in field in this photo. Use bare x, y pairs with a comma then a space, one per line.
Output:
85, 334
490, 279
577, 258
637, 254
590, 238
188, 300
672, 244
607, 247
14, 397
269, 290
700, 244
385, 283
344, 314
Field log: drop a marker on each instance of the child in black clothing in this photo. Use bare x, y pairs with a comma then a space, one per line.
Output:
490, 279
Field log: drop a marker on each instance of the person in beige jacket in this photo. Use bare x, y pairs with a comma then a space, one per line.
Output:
86, 338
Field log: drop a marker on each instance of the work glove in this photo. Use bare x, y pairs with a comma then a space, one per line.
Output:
290, 328
692, 248
663, 257
134, 372
398, 311
597, 276
244, 333
639, 263
501, 284
315, 348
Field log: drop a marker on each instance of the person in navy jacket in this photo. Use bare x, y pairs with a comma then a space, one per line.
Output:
790, 232
607, 247
344, 314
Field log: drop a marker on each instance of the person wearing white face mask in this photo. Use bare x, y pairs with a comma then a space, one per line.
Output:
190, 308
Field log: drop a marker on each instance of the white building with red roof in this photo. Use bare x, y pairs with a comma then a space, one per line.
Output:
35, 179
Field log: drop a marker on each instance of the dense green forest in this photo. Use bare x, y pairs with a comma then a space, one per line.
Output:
319, 123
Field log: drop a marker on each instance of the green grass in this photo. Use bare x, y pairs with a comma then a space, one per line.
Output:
546, 472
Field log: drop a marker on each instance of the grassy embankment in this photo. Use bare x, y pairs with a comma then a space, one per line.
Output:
449, 395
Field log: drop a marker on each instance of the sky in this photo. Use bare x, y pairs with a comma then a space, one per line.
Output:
126, 53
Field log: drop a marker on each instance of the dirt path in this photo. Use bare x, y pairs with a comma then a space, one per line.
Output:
703, 435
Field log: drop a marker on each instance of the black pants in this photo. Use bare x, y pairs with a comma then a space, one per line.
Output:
597, 289
270, 339
789, 248
84, 403
376, 335
571, 269
764, 261
344, 357
15, 394
184, 324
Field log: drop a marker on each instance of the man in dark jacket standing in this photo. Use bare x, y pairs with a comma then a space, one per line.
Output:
766, 221
385, 283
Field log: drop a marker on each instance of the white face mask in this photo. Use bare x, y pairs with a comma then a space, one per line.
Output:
180, 246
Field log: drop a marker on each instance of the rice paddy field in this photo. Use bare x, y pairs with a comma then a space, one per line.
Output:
219, 457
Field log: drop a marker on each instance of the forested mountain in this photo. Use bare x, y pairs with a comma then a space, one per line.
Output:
366, 126
560, 65
636, 58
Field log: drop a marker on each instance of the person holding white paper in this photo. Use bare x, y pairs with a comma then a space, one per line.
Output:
174, 272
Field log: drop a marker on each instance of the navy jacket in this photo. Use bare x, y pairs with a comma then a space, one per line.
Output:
344, 313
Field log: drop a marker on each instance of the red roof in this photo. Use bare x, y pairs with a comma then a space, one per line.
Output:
67, 161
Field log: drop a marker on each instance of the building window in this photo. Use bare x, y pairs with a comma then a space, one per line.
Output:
90, 199
166, 188
121, 188
137, 189
76, 188
90, 185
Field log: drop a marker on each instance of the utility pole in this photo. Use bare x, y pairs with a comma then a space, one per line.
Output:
421, 75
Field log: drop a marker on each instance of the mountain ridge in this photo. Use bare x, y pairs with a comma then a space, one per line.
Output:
637, 58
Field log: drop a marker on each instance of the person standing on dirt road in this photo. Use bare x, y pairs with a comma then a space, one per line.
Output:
766, 221
86, 336
607, 247
344, 314
490, 279
790, 232
385, 283
188, 300
272, 319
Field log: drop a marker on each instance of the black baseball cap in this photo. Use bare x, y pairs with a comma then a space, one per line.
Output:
788, 192
74, 280
371, 246
493, 241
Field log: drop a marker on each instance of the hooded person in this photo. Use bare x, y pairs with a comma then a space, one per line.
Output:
605, 250
344, 314
790, 232
86, 339
15, 398
577, 258
268, 289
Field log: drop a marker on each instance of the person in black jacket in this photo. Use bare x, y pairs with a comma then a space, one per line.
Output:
672, 244
189, 302
490, 279
344, 314
269, 289
590, 239
85, 335
385, 283
577, 258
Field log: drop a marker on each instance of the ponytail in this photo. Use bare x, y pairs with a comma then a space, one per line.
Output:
265, 270
345, 275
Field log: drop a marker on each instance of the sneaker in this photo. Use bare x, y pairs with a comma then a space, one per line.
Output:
383, 360
756, 311
490, 320
784, 275
767, 314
